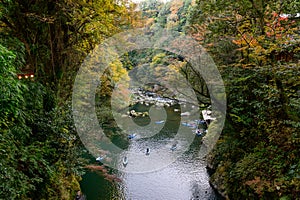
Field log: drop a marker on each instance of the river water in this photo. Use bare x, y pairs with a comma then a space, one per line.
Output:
185, 178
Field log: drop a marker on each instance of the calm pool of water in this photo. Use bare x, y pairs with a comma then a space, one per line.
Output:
182, 175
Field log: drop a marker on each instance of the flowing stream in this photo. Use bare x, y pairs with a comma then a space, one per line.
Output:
184, 179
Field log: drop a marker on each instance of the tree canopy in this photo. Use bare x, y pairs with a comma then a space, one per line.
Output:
255, 44
40, 149
257, 49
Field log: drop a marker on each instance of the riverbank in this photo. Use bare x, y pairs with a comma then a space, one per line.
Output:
216, 182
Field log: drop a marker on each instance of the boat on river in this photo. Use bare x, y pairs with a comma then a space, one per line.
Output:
185, 114
191, 125
147, 151
159, 122
131, 136
174, 147
199, 132
100, 158
125, 161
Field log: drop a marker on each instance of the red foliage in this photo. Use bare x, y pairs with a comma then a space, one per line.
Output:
103, 171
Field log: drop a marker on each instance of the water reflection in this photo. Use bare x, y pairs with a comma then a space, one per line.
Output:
184, 179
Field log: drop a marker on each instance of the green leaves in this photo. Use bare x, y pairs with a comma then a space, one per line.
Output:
257, 50
38, 142
34, 136
11, 97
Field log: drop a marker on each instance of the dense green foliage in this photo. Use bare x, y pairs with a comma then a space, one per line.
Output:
258, 54
257, 51
39, 147
161, 67
58, 35
38, 142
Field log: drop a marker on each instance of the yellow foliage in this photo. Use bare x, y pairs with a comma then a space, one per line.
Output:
117, 71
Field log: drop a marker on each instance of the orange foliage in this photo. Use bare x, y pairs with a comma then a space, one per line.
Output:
258, 185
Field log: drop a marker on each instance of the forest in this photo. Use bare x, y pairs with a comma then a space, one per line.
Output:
254, 43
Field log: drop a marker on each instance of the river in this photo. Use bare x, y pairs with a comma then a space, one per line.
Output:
184, 179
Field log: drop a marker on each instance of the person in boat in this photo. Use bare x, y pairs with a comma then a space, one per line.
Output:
131, 136
125, 160
174, 146
199, 133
